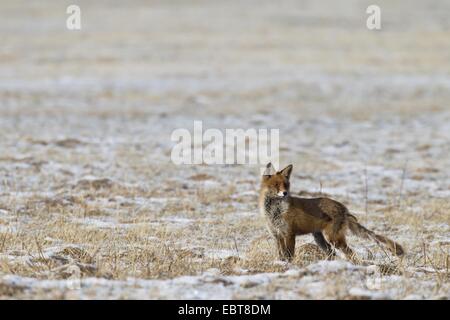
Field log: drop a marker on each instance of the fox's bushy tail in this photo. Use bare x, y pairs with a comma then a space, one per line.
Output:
361, 231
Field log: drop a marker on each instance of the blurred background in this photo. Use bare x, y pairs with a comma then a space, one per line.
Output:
225, 56
138, 70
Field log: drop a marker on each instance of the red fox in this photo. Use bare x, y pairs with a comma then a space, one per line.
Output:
288, 216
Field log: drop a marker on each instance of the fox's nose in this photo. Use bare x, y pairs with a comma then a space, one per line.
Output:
284, 193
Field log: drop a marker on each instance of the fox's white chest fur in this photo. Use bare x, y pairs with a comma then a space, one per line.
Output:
274, 210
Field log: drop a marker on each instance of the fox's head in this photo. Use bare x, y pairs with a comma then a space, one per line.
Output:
276, 184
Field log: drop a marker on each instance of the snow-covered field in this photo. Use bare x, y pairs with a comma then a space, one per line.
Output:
91, 205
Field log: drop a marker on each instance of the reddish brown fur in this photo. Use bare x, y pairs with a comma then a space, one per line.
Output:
288, 216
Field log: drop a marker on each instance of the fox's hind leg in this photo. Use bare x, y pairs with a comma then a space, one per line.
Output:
337, 239
323, 244
342, 245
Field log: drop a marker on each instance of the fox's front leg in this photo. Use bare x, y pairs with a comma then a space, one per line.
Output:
286, 247
290, 246
280, 247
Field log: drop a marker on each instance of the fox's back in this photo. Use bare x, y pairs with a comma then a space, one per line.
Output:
320, 208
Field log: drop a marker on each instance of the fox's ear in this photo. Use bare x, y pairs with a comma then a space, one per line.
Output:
286, 171
270, 170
